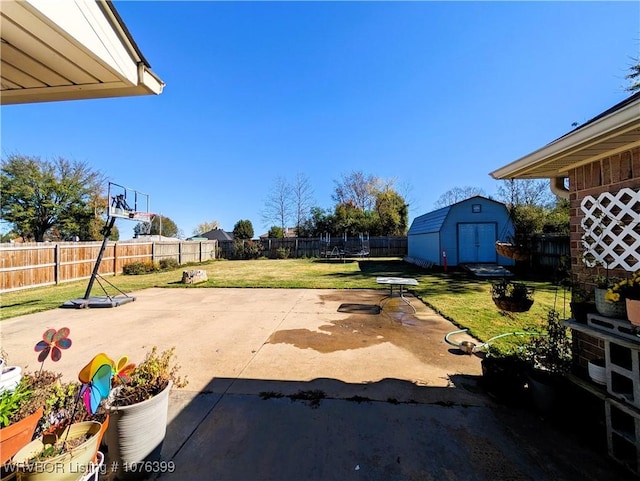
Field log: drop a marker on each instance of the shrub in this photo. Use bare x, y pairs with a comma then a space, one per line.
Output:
137, 268
282, 253
247, 249
168, 264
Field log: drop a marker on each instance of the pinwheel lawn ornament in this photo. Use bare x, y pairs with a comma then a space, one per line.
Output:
52, 342
96, 378
96, 381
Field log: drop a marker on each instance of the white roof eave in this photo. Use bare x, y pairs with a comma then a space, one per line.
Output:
69, 50
619, 122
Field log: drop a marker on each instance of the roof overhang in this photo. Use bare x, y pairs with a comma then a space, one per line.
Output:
612, 132
68, 50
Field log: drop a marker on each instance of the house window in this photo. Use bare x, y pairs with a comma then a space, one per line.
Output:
476, 208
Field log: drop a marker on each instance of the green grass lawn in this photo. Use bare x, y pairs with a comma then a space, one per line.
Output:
459, 297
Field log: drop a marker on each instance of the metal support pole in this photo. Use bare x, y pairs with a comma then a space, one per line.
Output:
106, 231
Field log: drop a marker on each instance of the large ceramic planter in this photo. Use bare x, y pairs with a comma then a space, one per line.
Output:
136, 433
68, 466
606, 308
17, 435
633, 311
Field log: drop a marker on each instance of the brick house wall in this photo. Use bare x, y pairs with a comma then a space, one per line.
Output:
609, 174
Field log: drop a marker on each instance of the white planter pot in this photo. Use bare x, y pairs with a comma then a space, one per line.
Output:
597, 371
136, 433
10, 376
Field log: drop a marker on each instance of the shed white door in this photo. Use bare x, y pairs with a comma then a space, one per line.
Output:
476, 242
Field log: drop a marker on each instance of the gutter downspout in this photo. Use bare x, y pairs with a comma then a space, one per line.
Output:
558, 188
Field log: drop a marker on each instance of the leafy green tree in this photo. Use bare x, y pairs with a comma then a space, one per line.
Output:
351, 220
634, 76
533, 208
38, 195
275, 232
318, 223
95, 231
557, 219
393, 213
243, 230
159, 225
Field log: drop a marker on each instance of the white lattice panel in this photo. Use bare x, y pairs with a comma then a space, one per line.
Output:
611, 230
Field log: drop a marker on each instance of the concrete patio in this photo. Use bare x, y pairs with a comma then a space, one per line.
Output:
315, 385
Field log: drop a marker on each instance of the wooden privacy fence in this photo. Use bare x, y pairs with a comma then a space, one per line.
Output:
300, 247
549, 250
41, 264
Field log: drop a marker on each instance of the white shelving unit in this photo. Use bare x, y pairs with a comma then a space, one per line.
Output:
622, 397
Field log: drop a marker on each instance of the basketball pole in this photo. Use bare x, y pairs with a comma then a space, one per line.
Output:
107, 232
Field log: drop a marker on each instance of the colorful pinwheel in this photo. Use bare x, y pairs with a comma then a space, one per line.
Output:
123, 369
52, 342
96, 381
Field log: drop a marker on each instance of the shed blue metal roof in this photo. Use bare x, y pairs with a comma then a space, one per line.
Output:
429, 222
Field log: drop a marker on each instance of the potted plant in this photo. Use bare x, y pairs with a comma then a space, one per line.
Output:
549, 358
503, 375
582, 303
627, 291
138, 410
608, 307
512, 296
21, 410
70, 438
59, 456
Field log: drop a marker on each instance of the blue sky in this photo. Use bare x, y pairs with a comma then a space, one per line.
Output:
433, 94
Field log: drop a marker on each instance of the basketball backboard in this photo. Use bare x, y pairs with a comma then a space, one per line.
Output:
127, 203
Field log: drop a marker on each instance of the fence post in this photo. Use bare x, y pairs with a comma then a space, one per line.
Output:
56, 254
180, 252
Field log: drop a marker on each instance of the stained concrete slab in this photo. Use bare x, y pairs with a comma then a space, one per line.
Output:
286, 385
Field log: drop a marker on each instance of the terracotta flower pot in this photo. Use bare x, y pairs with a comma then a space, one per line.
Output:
633, 311
17, 435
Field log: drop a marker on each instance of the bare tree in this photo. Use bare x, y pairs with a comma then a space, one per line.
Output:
457, 194
525, 192
359, 190
206, 227
302, 193
278, 207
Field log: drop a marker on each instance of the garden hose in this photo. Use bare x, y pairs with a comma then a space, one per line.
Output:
469, 347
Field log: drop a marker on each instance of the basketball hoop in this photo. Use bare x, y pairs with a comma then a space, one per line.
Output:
141, 216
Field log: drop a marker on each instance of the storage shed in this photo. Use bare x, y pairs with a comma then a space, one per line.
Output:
466, 232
